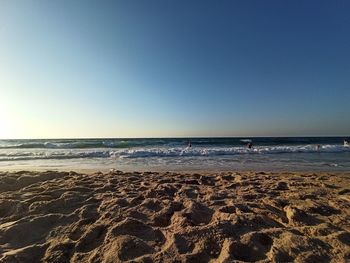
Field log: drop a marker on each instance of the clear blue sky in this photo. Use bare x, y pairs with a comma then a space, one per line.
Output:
174, 68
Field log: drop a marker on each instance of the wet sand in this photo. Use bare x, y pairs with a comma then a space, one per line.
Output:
174, 217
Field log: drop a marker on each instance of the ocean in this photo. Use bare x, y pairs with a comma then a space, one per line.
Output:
174, 154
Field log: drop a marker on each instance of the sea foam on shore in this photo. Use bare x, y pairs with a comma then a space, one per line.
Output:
268, 154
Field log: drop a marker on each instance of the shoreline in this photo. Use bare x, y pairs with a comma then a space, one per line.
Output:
168, 169
189, 216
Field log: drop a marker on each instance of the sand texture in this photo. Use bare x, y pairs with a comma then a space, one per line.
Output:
169, 217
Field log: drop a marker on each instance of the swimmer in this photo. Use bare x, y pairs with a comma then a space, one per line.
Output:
250, 145
346, 143
189, 145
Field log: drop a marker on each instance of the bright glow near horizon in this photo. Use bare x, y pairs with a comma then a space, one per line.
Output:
6, 127
156, 69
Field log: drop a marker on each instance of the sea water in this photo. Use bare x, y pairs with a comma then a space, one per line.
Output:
266, 153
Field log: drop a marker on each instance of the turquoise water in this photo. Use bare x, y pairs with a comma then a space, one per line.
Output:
281, 153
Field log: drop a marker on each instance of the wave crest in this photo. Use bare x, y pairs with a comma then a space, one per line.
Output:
162, 152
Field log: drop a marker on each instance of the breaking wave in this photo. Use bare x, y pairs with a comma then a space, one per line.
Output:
162, 152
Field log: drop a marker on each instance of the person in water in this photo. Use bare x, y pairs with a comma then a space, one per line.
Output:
346, 143
189, 145
249, 145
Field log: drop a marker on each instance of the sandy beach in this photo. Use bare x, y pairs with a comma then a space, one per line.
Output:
174, 131
174, 217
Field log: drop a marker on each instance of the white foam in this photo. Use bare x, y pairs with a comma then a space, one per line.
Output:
162, 152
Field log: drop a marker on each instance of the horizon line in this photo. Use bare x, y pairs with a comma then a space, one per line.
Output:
174, 137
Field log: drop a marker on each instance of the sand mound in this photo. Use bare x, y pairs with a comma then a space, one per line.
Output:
167, 217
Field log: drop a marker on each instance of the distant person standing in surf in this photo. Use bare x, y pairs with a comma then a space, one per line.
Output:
189, 145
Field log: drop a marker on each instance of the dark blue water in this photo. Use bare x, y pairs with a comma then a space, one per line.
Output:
166, 142
266, 153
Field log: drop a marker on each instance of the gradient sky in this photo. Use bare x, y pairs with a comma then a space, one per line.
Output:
174, 68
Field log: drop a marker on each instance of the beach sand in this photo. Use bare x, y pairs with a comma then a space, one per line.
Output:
174, 217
